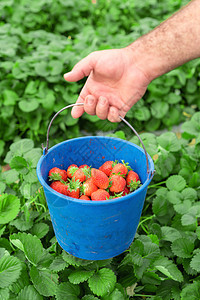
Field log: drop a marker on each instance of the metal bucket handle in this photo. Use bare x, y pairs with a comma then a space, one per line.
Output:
45, 149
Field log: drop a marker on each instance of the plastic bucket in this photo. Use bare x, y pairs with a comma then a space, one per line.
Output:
95, 230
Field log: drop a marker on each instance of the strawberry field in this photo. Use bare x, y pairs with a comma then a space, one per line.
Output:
39, 42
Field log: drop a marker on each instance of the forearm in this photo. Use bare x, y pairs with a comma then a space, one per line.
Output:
171, 44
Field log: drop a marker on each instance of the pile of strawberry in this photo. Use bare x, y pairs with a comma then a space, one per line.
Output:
112, 180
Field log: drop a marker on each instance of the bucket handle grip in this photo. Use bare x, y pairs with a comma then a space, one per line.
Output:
45, 149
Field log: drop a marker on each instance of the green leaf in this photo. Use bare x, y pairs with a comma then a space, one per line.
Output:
176, 183
142, 114
29, 292
191, 291
170, 234
159, 109
9, 208
195, 262
44, 281
22, 146
75, 261
18, 163
21, 223
79, 276
58, 264
31, 176
33, 156
168, 268
2, 187
90, 297
10, 268
56, 67
115, 295
189, 194
10, 97
188, 219
169, 141
4, 294
68, 291
182, 247
28, 105
40, 230
41, 69
10, 176
22, 281
102, 282
30, 245
192, 127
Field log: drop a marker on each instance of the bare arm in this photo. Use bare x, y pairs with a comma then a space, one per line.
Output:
118, 78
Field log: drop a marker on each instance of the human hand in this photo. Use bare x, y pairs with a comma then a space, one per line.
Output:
115, 83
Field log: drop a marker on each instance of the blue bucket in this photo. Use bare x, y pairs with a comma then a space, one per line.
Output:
95, 230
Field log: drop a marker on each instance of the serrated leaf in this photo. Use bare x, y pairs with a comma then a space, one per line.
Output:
102, 282
22, 146
75, 261
90, 297
9, 208
182, 247
195, 262
10, 176
189, 194
44, 281
169, 141
68, 291
30, 245
115, 295
79, 276
21, 223
191, 291
22, 281
18, 163
4, 294
40, 230
168, 268
33, 156
176, 183
58, 264
170, 234
188, 219
10, 268
29, 292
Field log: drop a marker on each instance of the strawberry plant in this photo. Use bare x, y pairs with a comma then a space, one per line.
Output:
163, 261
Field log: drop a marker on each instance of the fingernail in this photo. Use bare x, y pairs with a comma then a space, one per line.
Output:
66, 74
90, 101
102, 101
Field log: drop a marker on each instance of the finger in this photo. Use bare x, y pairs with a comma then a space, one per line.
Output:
102, 108
77, 111
82, 69
90, 105
113, 114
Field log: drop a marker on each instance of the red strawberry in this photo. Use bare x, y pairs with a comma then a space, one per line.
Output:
84, 197
100, 195
79, 175
99, 178
57, 174
117, 183
107, 167
83, 166
89, 187
120, 168
59, 187
133, 180
71, 170
73, 188
126, 191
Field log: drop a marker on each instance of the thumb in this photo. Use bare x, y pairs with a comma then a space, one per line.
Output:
82, 69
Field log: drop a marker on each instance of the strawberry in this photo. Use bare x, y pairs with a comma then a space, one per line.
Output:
126, 191
84, 197
133, 181
73, 188
107, 167
117, 183
83, 166
59, 187
89, 187
71, 170
120, 168
79, 175
100, 195
99, 178
57, 174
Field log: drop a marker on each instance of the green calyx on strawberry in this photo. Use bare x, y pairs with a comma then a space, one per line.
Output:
57, 174
134, 185
71, 170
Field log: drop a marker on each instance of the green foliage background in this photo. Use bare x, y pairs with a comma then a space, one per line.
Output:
42, 39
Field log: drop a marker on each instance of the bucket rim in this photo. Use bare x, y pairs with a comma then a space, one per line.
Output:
99, 202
